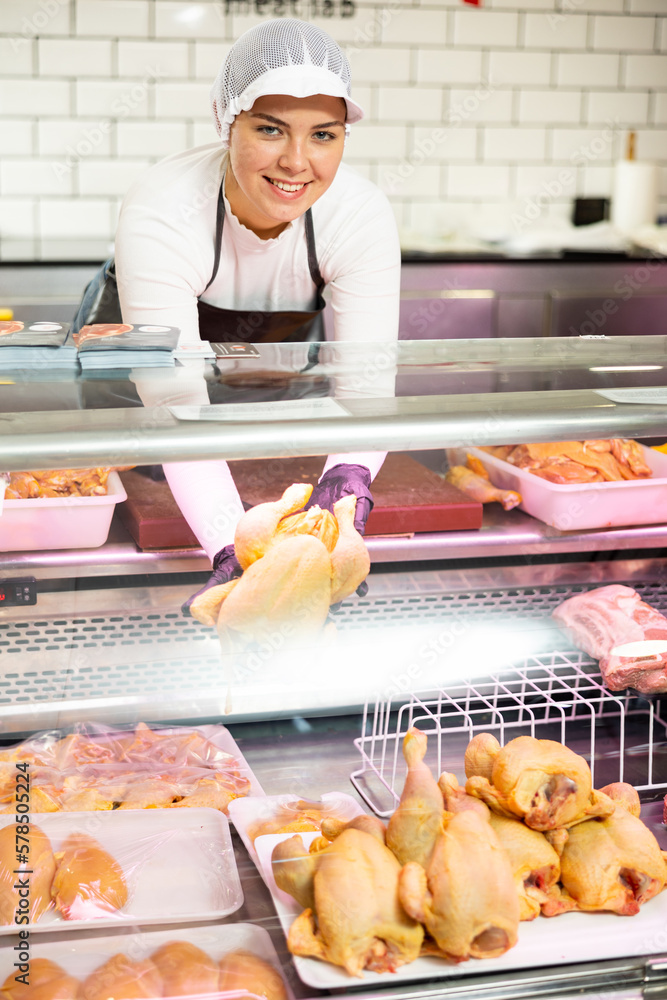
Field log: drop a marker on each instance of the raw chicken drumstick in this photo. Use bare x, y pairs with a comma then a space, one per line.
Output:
417, 822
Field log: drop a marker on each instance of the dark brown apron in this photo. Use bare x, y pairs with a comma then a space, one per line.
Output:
255, 326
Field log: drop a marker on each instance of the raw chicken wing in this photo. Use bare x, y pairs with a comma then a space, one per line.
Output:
415, 826
41, 868
241, 970
185, 969
89, 883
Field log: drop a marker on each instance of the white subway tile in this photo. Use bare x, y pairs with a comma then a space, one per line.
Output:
209, 57
115, 18
34, 97
365, 96
450, 66
549, 183
398, 207
380, 65
74, 57
447, 143
525, 4
651, 144
154, 139
182, 100
412, 27
660, 109
509, 144
407, 181
35, 177
549, 106
646, 7
562, 31
533, 68
27, 20
663, 34
203, 133
191, 19
17, 138
624, 34
587, 70
74, 138
375, 142
170, 59
15, 56
410, 104
595, 181
646, 71
109, 177
584, 145
481, 104
602, 6
118, 99
630, 109
17, 218
72, 217
366, 171
478, 181
485, 27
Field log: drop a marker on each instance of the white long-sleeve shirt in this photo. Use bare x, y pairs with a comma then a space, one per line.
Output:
165, 248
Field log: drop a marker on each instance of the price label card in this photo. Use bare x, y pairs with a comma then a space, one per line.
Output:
653, 394
235, 350
281, 409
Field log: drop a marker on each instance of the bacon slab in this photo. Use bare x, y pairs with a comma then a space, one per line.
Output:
604, 619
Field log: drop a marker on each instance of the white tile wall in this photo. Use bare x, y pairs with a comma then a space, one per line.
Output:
469, 111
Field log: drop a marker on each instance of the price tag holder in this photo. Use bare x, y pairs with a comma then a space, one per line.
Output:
281, 409
652, 394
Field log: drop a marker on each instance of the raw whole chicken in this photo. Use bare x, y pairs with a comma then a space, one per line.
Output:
627, 636
122, 979
357, 921
89, 884
417, 822
467, 898
41, 868
535, 865
542, 782
241, 970
185, 970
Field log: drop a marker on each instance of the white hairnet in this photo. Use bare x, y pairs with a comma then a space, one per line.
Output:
281, 56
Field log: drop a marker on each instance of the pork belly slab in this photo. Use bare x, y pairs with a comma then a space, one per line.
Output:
625, 634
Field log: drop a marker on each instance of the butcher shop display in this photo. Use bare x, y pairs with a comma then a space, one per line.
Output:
607, 461
58, 483
628, 636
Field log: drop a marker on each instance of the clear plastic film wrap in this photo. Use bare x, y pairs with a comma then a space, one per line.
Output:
110, 869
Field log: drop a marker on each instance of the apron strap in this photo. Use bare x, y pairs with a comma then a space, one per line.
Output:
219, 223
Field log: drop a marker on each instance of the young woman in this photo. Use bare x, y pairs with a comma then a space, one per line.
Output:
237, 239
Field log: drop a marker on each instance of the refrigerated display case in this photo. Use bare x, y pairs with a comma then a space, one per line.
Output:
454, 634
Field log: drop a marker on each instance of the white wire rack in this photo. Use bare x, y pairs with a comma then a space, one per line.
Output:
557, 696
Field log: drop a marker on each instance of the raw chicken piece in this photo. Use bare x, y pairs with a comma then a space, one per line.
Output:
467, 899
540, 781
629, 455
415, 826
89, 884
256, 529
625, 795
241, 970
185, 969
41, 868
314, 521
607, 622
357, 922
535, 866
122, 979
62, 987
153, 793
457, 800
350, 561
480, 489
612, 864
42, 971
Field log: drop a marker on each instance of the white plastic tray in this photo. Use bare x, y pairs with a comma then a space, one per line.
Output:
568, 938
179, 864
246, 811
81, 956
59, 522
584, 505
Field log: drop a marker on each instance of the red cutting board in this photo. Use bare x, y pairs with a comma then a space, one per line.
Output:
408, 498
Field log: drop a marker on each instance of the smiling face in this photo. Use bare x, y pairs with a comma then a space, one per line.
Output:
283, 155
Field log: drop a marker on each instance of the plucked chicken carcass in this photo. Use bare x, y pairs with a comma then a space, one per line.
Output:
467, 898
185, 970
417, 822
608, 623
613, 863
241, 970
120, 978
535, 865
89, 883
539, 781
36, 875
356, 920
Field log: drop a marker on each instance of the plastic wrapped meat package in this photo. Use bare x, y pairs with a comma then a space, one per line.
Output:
100, 769
224, 962
114, 868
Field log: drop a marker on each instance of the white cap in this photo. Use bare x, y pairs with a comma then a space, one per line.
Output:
281, 56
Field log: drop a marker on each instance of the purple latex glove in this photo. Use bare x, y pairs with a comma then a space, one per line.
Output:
341, 481
225, 567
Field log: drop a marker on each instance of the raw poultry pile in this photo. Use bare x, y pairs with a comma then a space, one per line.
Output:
81, 880
140, 769
295, 566
456, 869
57, 483
176, 969
604, 461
